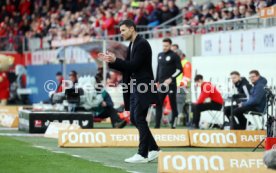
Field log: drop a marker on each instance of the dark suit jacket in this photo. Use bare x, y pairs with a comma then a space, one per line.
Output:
138, 65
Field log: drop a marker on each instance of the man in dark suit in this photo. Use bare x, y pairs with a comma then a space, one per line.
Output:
138, 76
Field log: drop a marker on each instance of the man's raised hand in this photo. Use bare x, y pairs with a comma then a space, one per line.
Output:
108, 57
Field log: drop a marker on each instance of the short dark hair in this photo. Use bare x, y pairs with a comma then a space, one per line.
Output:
176, 45
235, 73
256, 72
168, 40
198, 77
73, 73
128, 23
58, 73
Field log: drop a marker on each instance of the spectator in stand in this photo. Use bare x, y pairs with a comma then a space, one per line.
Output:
25, 7
154, 16
61, 19
174, 10
242, 10
236, 13
3, 29
166, 14
140, 18
3, 13
108, 23
10, 7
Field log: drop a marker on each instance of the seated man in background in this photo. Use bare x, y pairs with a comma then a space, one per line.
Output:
59, 79
106, 108
98, 101
256, 101
208, 90
243, 87
73, 76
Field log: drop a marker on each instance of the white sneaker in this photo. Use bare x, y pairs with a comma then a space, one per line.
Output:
137, 158
153, 155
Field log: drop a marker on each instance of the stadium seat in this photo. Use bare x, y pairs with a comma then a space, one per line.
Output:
255, 120
215, 117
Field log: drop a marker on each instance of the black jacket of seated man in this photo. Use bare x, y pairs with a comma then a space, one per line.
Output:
256, 102
241, 85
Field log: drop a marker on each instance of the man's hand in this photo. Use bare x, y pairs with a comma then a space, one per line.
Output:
240, 105
157, 84
168, 81
104, 104
108, 57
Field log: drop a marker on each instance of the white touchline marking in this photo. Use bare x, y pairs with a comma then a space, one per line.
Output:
76, 156
21, 135
58, 152
7, 128
61, 152
42, 147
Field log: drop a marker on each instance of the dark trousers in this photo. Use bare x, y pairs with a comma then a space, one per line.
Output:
159, 107
227, 113
138, 119
198, 108
112, 113
182, 106
238, 112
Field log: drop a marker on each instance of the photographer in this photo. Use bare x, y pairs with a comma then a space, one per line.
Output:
256, 101
243, 87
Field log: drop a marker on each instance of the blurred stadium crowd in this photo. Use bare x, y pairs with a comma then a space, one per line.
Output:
60, 19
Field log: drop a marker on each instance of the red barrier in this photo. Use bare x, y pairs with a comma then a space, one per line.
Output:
270, 143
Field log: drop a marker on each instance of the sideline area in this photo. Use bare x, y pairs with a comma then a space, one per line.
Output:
27, 158
107, 157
